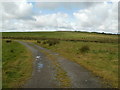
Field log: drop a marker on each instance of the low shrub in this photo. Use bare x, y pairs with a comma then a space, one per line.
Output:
49, 42
52, 42
84, 49
8, 41
44, 42
12, 51
38, 41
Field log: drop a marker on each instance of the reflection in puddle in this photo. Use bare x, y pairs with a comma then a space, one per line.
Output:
40, 65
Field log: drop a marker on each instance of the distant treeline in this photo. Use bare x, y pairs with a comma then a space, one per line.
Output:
98, 33
74, 40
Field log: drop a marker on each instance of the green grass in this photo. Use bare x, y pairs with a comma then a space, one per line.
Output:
101, 58
64, 35
16, 63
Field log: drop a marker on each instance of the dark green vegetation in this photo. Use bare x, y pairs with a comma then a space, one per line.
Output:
96, 52
84, 49
48, 42
17, 64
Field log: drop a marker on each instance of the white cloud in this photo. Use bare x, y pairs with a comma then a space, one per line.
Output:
19, 16
101, 17
17, 10
55, 21
14, 13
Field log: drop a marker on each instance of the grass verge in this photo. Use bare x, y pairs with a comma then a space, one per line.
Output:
61, 75
17, 64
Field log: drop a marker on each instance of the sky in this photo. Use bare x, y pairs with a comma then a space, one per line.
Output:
59, 16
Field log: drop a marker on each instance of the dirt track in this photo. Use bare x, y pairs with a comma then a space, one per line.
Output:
44, 73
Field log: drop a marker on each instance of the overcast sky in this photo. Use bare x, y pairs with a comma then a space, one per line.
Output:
60, 16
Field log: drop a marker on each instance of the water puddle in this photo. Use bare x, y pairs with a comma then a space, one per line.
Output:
40, 66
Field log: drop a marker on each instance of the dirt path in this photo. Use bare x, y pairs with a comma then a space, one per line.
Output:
44, 73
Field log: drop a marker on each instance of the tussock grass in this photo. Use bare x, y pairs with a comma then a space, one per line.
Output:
17, 64
84, 49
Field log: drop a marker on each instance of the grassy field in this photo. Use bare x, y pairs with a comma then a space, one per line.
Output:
17, 64
96, 52
82, 36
